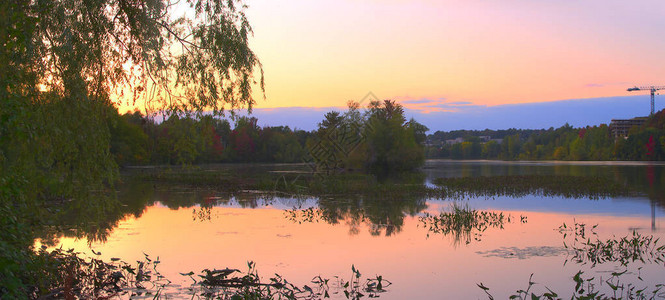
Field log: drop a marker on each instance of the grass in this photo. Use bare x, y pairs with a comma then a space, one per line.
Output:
72, 275
523, 185
585, 250
589, 288
623, 250
464, 224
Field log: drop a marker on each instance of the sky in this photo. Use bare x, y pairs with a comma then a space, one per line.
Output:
487, 52
439, 58
536, 115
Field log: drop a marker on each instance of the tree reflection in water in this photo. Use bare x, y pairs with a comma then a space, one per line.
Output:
352, 199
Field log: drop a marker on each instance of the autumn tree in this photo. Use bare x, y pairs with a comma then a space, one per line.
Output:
63, 63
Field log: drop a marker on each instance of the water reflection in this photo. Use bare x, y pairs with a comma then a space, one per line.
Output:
93, 217
383, 216
517, 186
356, 201
644, 178
383, 224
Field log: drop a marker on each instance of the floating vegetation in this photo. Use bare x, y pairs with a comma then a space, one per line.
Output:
578, 229
590, 288
204, 213
74, 276
587, 248
464, 224
233, 284
625, 250
523, 185
71, 275
308, 215
524, 253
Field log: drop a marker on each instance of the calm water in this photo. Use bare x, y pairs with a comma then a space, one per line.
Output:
389, 237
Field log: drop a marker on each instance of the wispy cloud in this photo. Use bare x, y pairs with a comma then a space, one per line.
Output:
595, 85
427, 106
609, 84
417, 101
442, 115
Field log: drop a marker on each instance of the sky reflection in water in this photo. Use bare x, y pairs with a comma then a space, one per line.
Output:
389, 238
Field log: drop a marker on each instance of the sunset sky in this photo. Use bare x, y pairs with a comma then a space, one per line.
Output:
436, 56
455, 64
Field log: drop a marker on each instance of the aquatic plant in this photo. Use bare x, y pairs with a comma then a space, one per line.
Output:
590, 288
464, 224
624, 250
523, 185
69, 274
308, 215
233, 284
587, 250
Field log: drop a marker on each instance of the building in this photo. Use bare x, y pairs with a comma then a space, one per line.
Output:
620, 128
455, 141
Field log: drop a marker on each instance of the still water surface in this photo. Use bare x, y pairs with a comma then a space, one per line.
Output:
300, 238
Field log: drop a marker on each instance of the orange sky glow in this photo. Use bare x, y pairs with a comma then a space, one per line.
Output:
324, 53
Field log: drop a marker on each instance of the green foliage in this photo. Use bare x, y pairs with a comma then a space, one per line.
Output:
61, 63
188, 139
129, 143
378, 140
391, 141
564, 143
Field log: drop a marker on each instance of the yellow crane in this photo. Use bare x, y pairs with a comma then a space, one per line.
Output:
652, 89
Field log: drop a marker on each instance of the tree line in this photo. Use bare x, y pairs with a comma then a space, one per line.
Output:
186, 139
646, 142
375, 138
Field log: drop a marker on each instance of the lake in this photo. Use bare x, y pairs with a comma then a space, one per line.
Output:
409, 241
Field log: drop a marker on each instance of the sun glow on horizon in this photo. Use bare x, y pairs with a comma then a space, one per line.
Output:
325, 53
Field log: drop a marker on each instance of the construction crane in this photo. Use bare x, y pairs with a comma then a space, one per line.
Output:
652, 89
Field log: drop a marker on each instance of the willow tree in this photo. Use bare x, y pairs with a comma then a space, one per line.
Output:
65, 63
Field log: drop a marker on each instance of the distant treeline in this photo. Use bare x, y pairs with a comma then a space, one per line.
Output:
137, 140
645, 142
375, 138
442, 136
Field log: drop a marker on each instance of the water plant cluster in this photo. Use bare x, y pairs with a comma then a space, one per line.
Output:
587, 249
623, 250
589, 288
66, 274
73, 275
307, 215
592, 187
464, 224
234, 284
